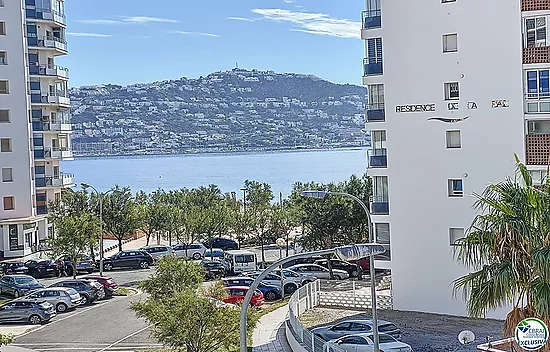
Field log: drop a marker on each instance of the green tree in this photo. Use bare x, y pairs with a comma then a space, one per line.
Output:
284, 219
507, 249
258, 202
150, 213
120, 216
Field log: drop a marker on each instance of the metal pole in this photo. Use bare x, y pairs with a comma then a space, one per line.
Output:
101, 255
282, 275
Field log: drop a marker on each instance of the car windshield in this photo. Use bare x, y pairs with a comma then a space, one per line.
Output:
71, 291
24, 280
385, 339
387, 327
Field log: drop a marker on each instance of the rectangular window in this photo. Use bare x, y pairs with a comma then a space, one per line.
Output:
4, 116
4, 87
455, 233
9, 203
2, 28
7, 174
376, 96
382, 231
538, 84
374, 50
450, 43
535, 32
455, 188
453, 139
452, 91
3, 58
34, 85
5, 145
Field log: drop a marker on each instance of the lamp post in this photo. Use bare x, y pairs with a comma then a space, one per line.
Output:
324, 194
350, 252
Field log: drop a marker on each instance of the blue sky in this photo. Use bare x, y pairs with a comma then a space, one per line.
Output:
131, 41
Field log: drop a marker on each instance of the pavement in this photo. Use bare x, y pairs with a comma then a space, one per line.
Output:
269, 335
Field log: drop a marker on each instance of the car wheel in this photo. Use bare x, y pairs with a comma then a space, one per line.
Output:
35, 319
290, 288
144, 264
270, 296
197, 256
85, 300
108, 266
61, 307
16, 294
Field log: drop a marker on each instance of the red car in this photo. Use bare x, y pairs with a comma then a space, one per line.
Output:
109, 285
237, 293
364, 264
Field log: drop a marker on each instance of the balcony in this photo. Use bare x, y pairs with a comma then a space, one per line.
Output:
535, 5
41, 209
375, 112
537, 149
58, 98
377, 158
53, 126
371, 19
379, 206
537, 103
49, 42
372, 66
63, 180
53, 153
46, 15
49, 71
536, 55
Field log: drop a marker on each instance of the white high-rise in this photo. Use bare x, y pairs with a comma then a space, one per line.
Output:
34, 120
456, 87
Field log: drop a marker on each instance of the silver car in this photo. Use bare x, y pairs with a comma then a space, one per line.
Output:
61, 298
157, 252
319, 271
26, 312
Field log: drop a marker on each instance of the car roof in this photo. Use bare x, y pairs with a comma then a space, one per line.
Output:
21, 276
238, 288
54, 288
364, 321
238, 278
240, 251
367, 334
97, 277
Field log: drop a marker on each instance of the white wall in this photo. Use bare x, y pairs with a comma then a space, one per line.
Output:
488, 66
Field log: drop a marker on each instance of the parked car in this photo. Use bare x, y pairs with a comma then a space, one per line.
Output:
157, 252
14, 267
364, 263
43, 268
236, 295
270, 292
319, 271
60, 297
194, 250
89, 290
109, 284
223, 243
128, 259
214, 254
351, 269
240, 261
213, 269
304, 278
25, 311
18, 285
290, 283
309, 260
85, 264
365, 343
355, 326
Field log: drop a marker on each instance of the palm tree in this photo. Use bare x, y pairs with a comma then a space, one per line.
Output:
507, 249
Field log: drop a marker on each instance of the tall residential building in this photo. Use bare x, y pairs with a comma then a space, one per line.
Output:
34, 120
449, 102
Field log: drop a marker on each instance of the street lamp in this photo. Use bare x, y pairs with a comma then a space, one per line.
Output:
324, 194
349, 252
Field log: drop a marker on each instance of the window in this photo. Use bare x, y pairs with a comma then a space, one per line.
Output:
376, 97
34, 85
4, 87
4, 116
2, 28
7, 174
382, 231
453, 139
373, 62
455, 188
5, 145
538, 84
455, 234
450, 43
9, 203
3, 57
451, 91
535, 32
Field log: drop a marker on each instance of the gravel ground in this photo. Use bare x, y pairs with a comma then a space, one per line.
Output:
424, 332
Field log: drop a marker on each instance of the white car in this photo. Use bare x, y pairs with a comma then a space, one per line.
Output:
319, 271
194, 250
157, 252
291, 284
303, 278
364, 343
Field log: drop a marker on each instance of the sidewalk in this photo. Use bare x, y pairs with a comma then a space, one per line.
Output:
269, 335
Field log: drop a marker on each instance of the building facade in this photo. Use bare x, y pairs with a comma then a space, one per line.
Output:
447, 110
34, 120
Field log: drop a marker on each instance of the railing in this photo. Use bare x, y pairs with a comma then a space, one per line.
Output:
536, 103
376, 112
41, 209
45, 70
54, 126
371, 19
536, 55
380, 205
372, 66
53, 153
54, 181
537, 149
377, 157
45, 14
52, 98
47, 42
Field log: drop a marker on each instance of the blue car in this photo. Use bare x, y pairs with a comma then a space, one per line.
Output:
18, 285
271, 293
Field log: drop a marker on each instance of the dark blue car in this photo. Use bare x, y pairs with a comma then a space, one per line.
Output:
18, 285
270, 292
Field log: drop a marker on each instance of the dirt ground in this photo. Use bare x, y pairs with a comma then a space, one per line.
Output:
423, 331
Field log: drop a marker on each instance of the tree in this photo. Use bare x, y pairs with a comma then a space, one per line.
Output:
284, 219
259, 197
507, 249
150, 213
119, 214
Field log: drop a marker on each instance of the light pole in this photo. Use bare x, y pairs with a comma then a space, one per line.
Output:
281, 242
350, 252
323, 194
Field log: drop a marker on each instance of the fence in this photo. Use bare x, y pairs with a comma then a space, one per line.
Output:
318, 293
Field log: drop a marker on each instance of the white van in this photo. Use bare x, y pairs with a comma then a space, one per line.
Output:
239, 261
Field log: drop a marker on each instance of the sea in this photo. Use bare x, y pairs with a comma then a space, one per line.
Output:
229, 171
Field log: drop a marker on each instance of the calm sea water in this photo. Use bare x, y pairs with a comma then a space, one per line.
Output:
228, 171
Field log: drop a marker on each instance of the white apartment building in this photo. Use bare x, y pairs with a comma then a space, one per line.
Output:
34, 120
456, 87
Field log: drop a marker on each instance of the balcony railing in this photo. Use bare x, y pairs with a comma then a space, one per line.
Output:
45, 14
536, 103
53, 126
380, 205
52, 98
50, 42
372, 66
62, 180
372, 19
535, 5
537, 149
53, 71
377, 158
42, 209
53, 153
536, 55
376, 112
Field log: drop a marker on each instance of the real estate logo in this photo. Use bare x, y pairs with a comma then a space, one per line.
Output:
531, 334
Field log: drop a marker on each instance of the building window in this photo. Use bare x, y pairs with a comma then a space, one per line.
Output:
4, 88
450, 43
452, 91
7, 174
535, 29
376, 97
4, 116
2, 28
382, 231
372, 17
455, 188
373, 62
455, 234
9, 203
3, 58
538, 84
453, 139
5, 145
